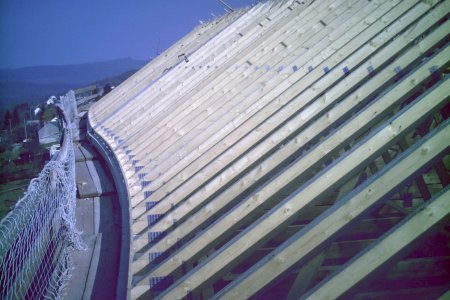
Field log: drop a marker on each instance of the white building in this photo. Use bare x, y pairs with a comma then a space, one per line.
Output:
49, 133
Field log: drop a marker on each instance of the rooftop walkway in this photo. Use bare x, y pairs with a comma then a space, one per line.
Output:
289, 149
95, 272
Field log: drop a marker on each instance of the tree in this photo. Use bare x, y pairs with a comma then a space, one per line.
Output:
106, 89
48, 114
6, 120
16, 116
24, 110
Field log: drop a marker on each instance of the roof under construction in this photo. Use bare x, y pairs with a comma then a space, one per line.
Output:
289, 149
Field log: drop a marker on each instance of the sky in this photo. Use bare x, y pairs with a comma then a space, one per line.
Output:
60, 32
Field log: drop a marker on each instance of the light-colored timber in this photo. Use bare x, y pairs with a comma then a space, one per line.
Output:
289, 149
378, 254
311, 159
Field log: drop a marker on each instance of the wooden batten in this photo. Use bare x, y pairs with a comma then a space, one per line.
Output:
251, 147
392, 243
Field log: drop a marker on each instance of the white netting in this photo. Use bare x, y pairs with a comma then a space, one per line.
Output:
37, 235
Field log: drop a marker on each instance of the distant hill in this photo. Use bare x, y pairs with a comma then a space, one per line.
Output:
32, 83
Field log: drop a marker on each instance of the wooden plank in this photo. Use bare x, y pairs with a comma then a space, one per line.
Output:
423, 189
203, 175
260, 132
278, 97
419, 275
183, 101
171, 238
337, 253
226, 38
230, 86
154, 69
389, 246
195, 85
211, 48
304, 276
442, 173
347, 187
263, 228
85, 184
208, 96
345, 211
88, 151
233, 151
151, 71
420, 183
365, 229
102, 181
365, 118
217, 53
79, 157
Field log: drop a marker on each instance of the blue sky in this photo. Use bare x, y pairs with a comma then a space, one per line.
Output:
57, 32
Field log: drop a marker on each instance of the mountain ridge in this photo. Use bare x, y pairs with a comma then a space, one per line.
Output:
74, 73
29, 84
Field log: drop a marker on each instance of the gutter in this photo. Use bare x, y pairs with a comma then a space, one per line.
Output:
123, 278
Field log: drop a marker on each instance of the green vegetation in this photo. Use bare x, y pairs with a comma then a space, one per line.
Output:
49, 112
9, 194
21, 155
